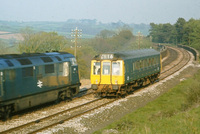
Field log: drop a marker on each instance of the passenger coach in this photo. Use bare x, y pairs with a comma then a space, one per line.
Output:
117, 73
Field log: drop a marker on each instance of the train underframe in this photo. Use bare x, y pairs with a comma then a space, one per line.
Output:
18, 104
106, 90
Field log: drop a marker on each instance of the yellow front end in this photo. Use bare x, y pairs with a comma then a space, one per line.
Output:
107, 75
95, 72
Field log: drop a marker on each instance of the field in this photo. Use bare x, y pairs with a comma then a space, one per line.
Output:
177, 111
8, 35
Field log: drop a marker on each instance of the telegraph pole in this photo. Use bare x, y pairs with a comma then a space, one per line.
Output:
76, 33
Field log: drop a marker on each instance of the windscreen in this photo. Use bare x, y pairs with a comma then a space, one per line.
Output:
106, 68
96, 68
116, 68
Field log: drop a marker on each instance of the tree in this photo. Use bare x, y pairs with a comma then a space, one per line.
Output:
106, 33
179, 25
3, 48
191, 33
41, 42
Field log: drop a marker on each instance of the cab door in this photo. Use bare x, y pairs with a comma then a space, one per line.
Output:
106, 72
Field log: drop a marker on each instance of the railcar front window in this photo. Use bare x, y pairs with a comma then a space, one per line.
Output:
106, 68
116, 68
96, 68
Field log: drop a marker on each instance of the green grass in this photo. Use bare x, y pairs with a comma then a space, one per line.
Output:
175, 112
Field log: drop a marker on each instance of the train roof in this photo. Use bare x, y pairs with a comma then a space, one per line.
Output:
32, 59
133, 54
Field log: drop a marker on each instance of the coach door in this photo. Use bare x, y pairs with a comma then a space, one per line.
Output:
1, 83
106, 72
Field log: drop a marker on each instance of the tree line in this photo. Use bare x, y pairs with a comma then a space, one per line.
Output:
182, 32
105, 41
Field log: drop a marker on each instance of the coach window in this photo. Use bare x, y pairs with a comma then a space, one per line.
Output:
154, 59
96, 68
133, 66
116, 67
145, 63
138, 65
157, 60
106, 68
49, 68
142, 64
27, 72
149, 62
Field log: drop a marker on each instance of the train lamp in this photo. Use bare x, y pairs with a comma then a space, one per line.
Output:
75, 34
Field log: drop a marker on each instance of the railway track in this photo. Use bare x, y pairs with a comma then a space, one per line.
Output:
44, 123
177, 65
60, 117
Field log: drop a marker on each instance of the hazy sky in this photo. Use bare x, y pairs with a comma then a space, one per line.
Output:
128, 11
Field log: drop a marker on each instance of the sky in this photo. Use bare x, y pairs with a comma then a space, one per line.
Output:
105, 11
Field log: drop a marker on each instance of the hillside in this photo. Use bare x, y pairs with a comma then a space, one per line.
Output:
90, 28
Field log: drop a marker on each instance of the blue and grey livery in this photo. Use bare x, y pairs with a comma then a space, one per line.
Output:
27, 80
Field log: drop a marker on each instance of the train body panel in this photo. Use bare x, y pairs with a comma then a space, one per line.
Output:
119, 70
28, 80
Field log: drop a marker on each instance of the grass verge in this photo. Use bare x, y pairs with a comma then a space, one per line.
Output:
177, 111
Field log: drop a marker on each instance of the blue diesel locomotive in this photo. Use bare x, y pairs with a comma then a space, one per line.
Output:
28, 80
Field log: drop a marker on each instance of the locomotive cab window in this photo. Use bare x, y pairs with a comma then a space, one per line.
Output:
96, 68
106, 68
73, 61
116, 68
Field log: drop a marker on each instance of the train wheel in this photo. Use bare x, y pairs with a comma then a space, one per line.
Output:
118, 95
97, 95
61, 97
6, 113
69, 95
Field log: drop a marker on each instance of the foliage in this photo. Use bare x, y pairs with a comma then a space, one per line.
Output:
162, 33
182, 32
176, 111
85, 54
119, 41
41, 42
5, 48
105, 41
